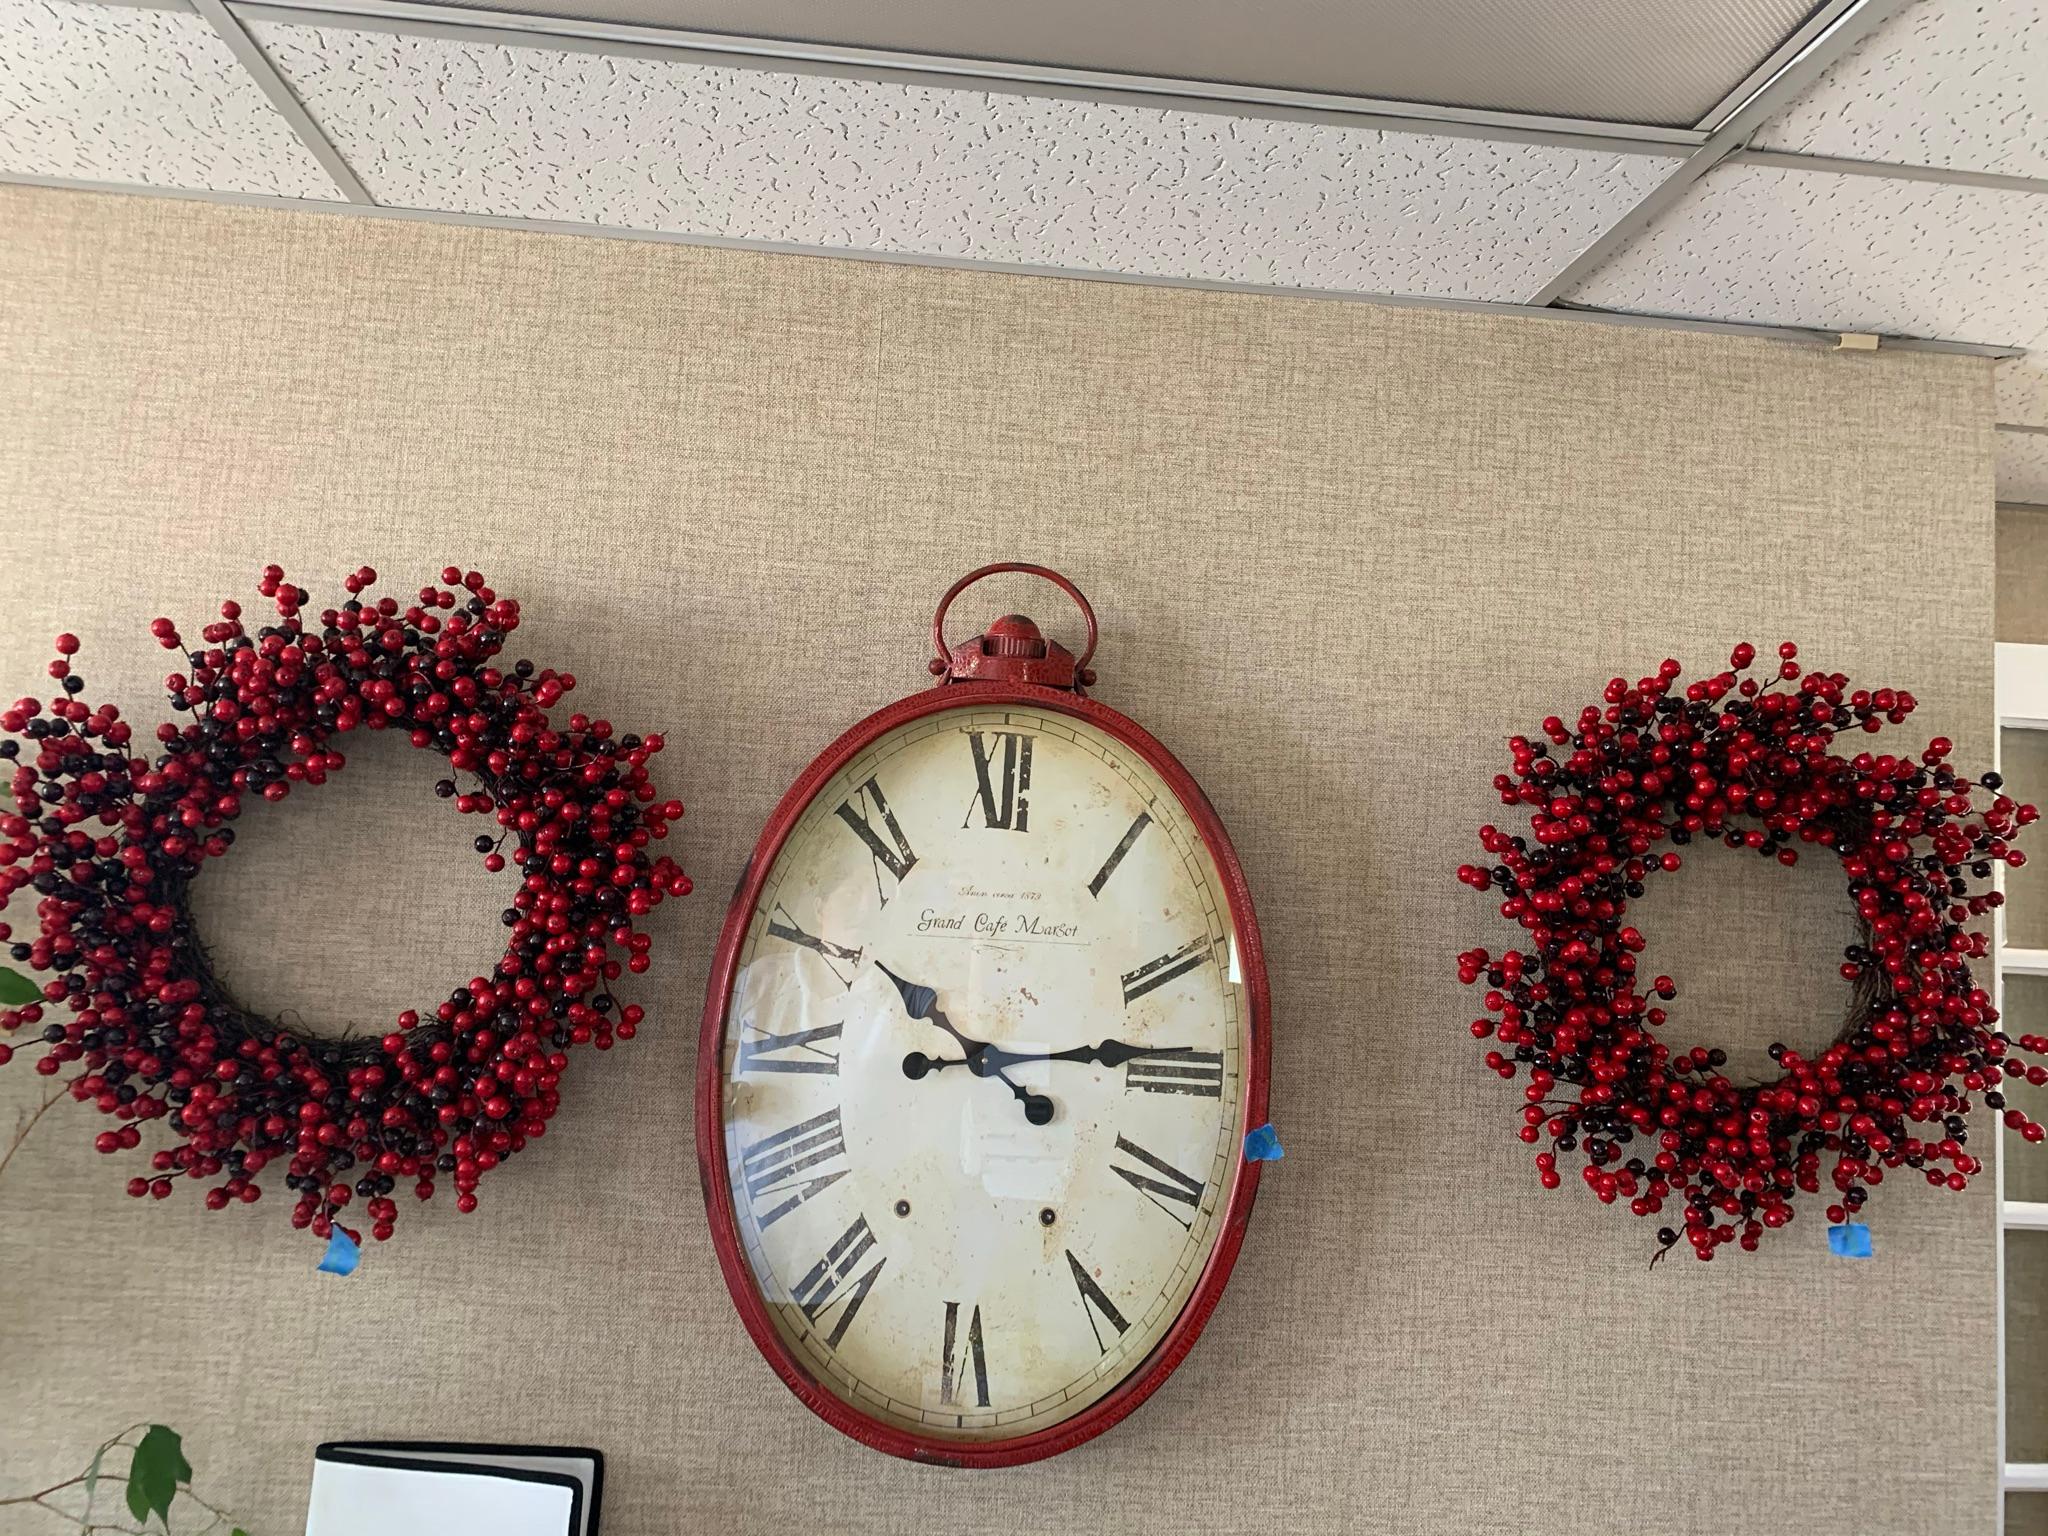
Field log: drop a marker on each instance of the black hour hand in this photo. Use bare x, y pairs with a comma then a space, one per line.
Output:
977, 1055
917, 1000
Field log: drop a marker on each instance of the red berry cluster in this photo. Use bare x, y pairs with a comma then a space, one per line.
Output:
110, 841
1751, 765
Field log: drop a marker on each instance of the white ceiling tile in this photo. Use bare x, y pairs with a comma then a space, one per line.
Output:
2023, 391
118, 93
1840, 253
650, 143
1959, 84
2023, 467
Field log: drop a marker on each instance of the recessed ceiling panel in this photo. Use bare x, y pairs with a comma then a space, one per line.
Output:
113, 93
1663, 62
1840, 253
658, 144
1959, 84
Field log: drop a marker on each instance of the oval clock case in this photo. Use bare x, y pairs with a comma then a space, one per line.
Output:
986, 1029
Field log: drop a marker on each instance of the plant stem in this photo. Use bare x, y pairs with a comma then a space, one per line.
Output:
21, 1135
38, 1497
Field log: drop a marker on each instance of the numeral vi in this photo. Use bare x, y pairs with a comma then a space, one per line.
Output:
952, 1370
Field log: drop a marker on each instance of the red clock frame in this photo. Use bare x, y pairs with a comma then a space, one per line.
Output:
977, 675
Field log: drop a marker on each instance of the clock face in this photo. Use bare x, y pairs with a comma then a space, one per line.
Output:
983, 1073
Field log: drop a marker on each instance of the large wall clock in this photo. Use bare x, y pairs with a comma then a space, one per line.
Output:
986, 1030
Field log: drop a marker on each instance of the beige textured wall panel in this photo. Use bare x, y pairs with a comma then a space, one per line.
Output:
1341, 552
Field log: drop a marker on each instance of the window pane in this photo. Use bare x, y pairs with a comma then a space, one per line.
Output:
2026, 1345
2023, 758
2026, 1514
2026, 1167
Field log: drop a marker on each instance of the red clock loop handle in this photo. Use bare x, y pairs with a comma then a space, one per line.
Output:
1013, 649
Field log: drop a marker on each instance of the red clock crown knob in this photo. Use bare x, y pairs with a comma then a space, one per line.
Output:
1013, 649
1014, 635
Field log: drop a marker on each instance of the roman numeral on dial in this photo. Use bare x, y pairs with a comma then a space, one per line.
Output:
776, 1166
1002, 801
894, 855
1093, 1300
841, 961
953, 1370
1116, 854
1160, 1181
1154, 974
803, 1050
832, 1281
1196, 1072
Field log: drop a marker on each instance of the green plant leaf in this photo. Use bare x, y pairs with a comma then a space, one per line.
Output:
154, 1473
92, 1473
173, 1449
238, 1531
17, 990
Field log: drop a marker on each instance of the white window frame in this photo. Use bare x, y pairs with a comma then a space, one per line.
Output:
2020, 688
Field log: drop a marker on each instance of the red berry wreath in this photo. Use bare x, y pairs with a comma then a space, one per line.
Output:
1753, 766
109, 842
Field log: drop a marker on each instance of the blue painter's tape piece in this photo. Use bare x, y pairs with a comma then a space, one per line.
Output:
342, 1255
1263, 1146
1849, 1241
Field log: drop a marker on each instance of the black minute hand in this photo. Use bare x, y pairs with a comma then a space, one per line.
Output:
1111, 1053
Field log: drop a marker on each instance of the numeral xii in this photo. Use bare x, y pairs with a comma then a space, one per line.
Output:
1001, 792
